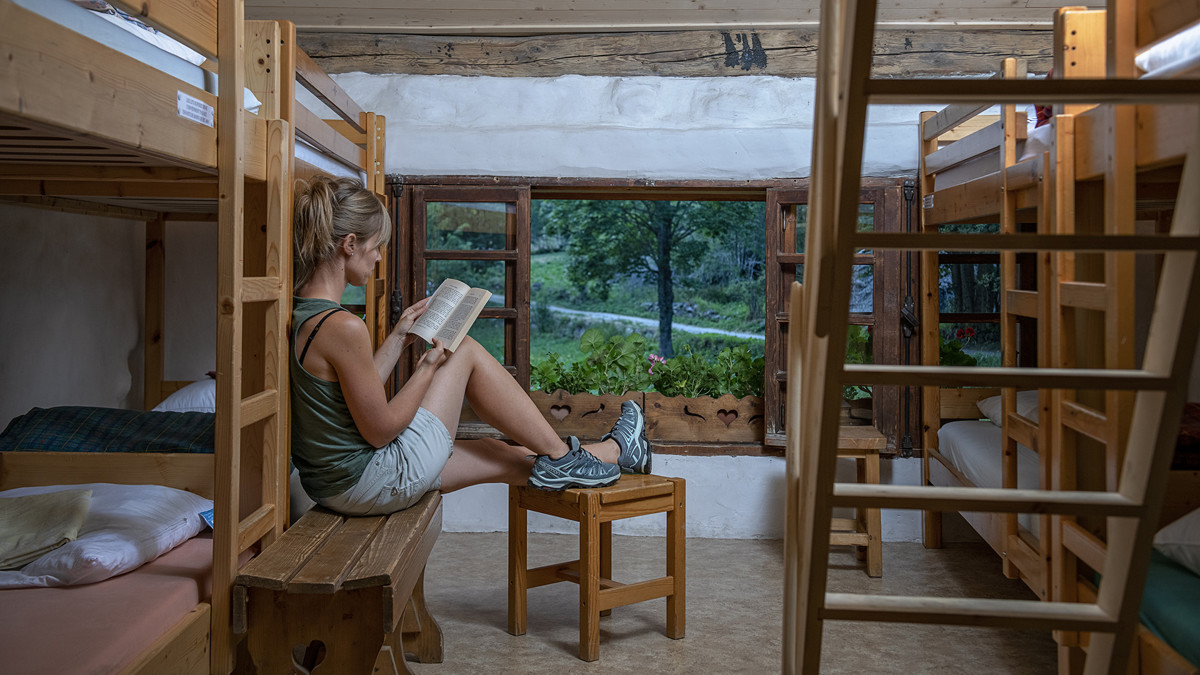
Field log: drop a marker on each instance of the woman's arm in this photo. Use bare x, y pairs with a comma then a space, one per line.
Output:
348, 350
397, 340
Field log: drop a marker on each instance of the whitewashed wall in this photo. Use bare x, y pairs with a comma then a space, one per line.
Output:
733, 128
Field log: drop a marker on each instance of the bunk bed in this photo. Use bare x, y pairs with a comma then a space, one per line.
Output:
94, 121
1092, 170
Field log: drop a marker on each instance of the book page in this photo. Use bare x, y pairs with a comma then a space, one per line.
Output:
441, 306
459, 322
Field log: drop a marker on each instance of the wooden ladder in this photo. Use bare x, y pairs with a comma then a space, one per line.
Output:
819, 309
253, 313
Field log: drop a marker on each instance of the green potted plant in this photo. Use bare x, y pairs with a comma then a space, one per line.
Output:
858, 351
951, 350
687, 398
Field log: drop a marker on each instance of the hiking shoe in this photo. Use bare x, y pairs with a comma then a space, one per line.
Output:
630, 434
576, 469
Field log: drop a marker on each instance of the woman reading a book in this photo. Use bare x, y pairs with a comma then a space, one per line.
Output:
359, 452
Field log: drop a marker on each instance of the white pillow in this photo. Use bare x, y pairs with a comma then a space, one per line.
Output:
1180, 541
126, 526
1027, 407
199, 396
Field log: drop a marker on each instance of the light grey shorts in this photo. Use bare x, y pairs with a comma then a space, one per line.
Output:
400, 472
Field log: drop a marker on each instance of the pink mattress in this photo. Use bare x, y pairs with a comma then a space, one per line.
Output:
98, 628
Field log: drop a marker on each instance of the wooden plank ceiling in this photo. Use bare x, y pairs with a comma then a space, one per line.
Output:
544, 38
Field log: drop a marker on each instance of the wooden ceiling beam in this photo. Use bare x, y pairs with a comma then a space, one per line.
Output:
782, 53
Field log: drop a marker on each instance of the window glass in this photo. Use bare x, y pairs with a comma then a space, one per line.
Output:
487, 274
473, 226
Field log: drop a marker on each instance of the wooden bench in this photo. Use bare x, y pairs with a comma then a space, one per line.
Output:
332, 591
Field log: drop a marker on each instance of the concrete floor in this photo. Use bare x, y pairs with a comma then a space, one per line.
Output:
734, 610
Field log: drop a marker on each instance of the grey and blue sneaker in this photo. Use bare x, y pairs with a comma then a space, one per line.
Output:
630, 435
576, 469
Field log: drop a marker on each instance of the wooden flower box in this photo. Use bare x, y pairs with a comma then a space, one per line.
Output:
704, 420
585, 416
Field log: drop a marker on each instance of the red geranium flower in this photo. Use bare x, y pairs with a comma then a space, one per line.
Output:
959, 333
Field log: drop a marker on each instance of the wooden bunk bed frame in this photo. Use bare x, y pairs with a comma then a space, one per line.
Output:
88, 129
819, 305
1069, 189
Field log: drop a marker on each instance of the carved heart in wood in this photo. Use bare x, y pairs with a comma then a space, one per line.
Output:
727, 416
560, 412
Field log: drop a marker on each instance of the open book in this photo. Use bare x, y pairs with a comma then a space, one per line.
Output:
452, 309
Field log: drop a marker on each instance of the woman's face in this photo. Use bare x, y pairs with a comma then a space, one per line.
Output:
360, 263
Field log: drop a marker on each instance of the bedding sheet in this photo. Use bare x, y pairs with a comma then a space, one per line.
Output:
91, 429
1171, 606
974, 448
99, 628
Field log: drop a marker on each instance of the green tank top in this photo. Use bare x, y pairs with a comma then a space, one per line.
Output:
327, 449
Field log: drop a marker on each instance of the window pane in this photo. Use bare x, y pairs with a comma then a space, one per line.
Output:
862, 289
354, 295
970, 344
474, 226
866, 222
801, 226
969, 287
490, 334
487, 274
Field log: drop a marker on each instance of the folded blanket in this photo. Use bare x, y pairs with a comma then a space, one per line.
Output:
34, 525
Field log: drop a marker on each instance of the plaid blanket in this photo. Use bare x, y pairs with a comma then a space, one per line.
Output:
88, 429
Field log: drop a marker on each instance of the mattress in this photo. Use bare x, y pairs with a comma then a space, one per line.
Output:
99, 628
974, 447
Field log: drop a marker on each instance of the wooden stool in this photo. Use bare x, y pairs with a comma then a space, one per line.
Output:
862, 443
595, 509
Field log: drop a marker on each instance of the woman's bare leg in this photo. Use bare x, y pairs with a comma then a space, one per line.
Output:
473, 374
486, 460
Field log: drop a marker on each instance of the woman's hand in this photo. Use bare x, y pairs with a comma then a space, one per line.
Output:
407, 318
435, 356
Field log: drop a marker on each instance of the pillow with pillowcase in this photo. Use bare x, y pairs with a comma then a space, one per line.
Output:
1027, 406
199, 396
1180, 541
126, 526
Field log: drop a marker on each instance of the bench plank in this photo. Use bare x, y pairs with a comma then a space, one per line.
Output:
394, 545
325, 570
396, 596
290, 551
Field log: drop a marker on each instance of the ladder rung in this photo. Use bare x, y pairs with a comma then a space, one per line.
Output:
1031, 614
957, 90
1023, 303
261, 289
990, 500
1025, 378
1086, 420
1083, 295
956, 241
259, 407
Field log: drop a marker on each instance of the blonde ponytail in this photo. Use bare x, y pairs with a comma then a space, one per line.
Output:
326, 210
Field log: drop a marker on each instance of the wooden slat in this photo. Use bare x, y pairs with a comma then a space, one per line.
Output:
1023, 303
1085, 420
1031, 564
325, 570
193, 22
1039, 378
952, 241
1085, 545
257, 407
1023, 431
960, 203
317, 132
991, 92
958, 403
1026, 614
185, 471
182, 650
261, 289
291, 551
394, 545
986, 140
627, 594
964, 129
1083, 295
255, 526
312, 78
995, 500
